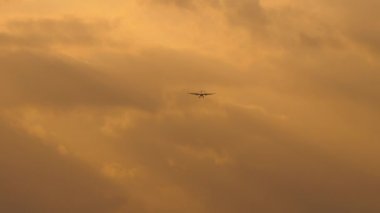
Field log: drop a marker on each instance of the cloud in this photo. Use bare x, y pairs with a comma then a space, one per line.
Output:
37, 178
186, 4
200, 153
247, 13
37, 33
294, 129
42, 79
247, 159
357, 21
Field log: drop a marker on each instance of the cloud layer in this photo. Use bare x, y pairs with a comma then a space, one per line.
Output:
95, 116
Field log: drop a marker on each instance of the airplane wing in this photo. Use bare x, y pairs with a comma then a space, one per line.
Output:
194, 93
208, 93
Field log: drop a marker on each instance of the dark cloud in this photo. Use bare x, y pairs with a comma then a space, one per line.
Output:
295, 131
357, 20
41, 79
180, 3
186, 4
216, 150
239, 160
330, 76
334, 24
246, 13
125, 80
229, 158
37, 178
162, 68
46, 32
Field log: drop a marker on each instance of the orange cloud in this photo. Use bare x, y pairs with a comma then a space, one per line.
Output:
97, 102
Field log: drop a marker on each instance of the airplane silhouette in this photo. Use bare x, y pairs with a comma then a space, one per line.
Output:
201, 94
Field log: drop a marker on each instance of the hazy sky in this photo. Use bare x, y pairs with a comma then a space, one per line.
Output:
95, 115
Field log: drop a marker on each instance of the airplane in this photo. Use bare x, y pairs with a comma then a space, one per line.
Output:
201, 94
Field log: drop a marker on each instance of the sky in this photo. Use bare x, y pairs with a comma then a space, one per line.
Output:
95, 115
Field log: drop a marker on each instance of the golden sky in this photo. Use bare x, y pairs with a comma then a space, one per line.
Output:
95, 115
